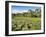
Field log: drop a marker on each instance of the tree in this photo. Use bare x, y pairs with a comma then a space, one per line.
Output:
38, 12
31, 12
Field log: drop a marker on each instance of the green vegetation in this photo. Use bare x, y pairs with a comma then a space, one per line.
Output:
30, 20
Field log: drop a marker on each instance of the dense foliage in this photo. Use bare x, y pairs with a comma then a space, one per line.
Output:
30, 13
30, 20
